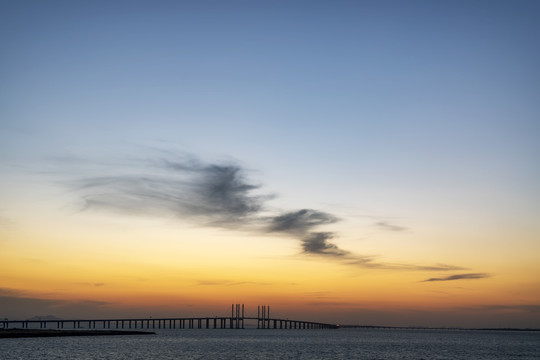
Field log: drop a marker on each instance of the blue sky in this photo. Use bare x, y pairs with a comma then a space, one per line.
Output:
420, 114
377, 93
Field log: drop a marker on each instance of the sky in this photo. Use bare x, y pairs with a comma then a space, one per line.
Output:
353, 162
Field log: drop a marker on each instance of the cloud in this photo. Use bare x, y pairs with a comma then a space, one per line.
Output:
532, 308
390, 227
218, 195
370, 262
230, 283
90, 284
214, 193
329, 303
299, 222
471, 276
317, 243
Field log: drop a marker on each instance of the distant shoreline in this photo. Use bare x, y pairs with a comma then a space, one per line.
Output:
27, 333
432, 328
32, 333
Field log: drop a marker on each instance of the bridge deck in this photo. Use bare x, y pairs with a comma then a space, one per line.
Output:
166, 323
235, 321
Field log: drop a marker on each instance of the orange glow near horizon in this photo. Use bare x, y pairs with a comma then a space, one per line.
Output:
196, 280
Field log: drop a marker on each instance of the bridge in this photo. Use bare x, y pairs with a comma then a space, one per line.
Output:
235, 321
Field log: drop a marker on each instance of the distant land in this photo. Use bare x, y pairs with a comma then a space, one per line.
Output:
434, 328
24, 333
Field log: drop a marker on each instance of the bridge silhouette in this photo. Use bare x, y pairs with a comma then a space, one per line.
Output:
235, 321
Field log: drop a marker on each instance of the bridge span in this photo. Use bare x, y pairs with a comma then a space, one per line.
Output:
235, 321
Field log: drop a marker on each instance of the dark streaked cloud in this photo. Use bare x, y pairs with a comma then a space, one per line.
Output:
471, 276
371, 262
317, 243
299, 222
214, 193
222, 191
320, 246
218, 195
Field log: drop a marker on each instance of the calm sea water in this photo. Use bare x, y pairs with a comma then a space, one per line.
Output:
283, 344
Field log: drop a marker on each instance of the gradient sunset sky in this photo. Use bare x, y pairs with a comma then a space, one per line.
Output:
354, 162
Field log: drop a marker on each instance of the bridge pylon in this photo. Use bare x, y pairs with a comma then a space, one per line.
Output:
237, 316
263, 317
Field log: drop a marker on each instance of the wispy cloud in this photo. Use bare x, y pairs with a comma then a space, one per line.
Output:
385, 225
300, 223
230, 283
471, 276
532, 308
90, 284
214, 193
220, 195
329, 303
317, 243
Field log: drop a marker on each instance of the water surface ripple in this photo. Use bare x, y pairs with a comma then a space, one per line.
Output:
284, 344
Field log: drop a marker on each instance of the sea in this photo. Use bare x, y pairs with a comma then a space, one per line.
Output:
345, 343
